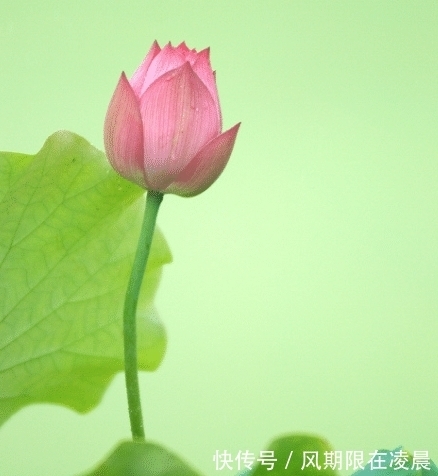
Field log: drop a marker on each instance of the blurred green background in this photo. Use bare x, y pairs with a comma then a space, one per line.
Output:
303, 293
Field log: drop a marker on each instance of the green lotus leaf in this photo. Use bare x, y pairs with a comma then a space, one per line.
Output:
297, 454
142, 459
69, 227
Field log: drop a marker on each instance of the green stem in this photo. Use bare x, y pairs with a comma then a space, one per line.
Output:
153, 202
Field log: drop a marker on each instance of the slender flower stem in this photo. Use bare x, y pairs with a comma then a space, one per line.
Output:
153, 201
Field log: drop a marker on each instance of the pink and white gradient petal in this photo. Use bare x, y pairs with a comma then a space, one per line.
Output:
206, 167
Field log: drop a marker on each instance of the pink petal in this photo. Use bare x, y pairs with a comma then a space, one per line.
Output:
182, 47
206, 167
123, 133
202, 68
188, 54
179, 118
167, 59
139, 76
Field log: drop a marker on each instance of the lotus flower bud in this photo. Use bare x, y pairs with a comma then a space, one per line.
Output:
163, 128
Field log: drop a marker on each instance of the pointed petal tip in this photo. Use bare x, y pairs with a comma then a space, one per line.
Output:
236, 126
231, 133
205, 52
123, 86
154, 49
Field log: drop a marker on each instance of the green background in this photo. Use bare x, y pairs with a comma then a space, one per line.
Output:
303, 293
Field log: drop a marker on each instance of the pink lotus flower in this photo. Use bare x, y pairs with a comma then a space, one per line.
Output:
163, 127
